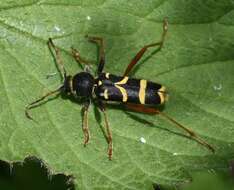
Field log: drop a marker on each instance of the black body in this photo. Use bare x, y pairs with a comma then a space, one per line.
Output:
112, 88
129, 90
135, 93
82, 84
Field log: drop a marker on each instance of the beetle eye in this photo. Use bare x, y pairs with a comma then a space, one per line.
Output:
66, 86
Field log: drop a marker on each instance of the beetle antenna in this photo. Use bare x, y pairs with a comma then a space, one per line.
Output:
58, 58
37, 102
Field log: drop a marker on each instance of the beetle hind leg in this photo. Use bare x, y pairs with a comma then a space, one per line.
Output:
192, 134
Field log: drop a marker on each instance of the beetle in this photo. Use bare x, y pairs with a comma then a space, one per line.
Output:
135, 94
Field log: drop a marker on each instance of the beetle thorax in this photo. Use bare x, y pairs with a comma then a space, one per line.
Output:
82, 84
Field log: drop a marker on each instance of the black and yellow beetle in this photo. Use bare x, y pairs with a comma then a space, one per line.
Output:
136, 94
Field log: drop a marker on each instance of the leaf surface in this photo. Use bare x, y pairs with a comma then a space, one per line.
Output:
196, 65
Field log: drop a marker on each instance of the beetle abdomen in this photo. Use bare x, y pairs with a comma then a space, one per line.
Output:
129, 90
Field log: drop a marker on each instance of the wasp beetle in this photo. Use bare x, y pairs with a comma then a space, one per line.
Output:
136, 94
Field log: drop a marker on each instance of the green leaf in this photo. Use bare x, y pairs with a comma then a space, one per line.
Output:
196, 65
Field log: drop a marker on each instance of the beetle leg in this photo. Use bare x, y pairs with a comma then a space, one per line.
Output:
85, 126
101, 61
108, 131
109, 136
149, 110
143, 50
82, 62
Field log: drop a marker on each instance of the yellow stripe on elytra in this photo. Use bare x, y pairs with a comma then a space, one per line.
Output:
123, 81
143, 84
106, 94
107, 75
162, 94
123, 92
99, 83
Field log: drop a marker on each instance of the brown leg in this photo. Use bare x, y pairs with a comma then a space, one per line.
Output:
143, 50
109, 136
101, 61
85, 125
80, 60
193, 135
108, 131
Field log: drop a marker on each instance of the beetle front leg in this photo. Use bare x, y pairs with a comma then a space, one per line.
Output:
85, 126
81, 61
100, 42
